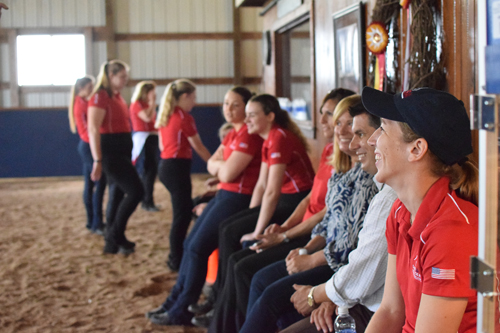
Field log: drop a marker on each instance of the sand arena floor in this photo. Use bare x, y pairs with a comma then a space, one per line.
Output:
53, 275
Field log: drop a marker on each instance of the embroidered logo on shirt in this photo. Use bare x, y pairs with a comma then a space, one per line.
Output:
443, 274
243, 145
275, 155
416, 274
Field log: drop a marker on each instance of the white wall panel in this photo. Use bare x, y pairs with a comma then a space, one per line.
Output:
53, 13
100, 56
45, 100
171, 16
251, 58
4, 61
186, 58
5, 98
300, 56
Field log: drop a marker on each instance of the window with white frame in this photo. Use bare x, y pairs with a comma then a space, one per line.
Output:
50, 59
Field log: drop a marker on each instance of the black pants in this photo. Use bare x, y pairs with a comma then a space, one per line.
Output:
175, 174
126, 190
149, 167
230, 233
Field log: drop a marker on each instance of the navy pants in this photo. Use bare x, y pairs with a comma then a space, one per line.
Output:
201, 242
93, 192
175, 174
125, 190
147, 167
270, 293
230, 233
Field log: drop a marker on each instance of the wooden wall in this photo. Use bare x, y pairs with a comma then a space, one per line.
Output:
459, 50
208, 41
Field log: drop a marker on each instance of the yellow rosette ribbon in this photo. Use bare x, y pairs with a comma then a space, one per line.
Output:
377, 39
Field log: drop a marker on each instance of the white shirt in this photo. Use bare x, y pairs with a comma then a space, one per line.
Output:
361, 281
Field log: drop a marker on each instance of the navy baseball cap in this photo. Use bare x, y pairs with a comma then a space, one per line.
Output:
435, 115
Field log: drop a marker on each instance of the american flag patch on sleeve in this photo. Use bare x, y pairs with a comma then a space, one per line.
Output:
443, 274
276, 155
243, 145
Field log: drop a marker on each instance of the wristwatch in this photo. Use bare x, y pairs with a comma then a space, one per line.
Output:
310, 298
285, 239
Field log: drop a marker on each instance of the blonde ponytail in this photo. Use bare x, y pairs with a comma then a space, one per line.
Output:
109, 67
142, 89
169, 99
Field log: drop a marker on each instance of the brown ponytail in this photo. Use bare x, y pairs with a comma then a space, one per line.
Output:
464, 178
75, 90
270, 104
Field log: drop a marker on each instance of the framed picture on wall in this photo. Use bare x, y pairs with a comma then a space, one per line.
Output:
348, 35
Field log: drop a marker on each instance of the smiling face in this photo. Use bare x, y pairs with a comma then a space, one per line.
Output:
257, 121
365, 153
326, 117
343, 132
233, 108
119, 80
391, 152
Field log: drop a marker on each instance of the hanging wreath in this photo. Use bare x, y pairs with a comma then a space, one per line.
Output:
425, 58
382, 36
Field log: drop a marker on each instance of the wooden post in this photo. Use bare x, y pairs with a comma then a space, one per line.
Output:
237, 45
110, 31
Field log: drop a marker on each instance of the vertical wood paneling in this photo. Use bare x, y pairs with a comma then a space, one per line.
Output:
172, 16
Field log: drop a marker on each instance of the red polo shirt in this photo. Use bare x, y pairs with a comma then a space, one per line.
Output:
320, 185
433, 253
80, 114
139, 125
116, 119
174, 136
250, 144
283, 147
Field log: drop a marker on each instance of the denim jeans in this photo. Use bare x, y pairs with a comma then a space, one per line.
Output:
201, 242
93, 192
270, 294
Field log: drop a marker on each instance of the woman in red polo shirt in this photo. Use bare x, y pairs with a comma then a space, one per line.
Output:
178, 134
111, 146
432, 230
236, 163
145, 138
93, 192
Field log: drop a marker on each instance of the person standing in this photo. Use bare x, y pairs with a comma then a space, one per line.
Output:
93, 192
111, 146
178, 134
145, 138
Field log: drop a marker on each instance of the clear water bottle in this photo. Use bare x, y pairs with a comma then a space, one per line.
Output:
344, 322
